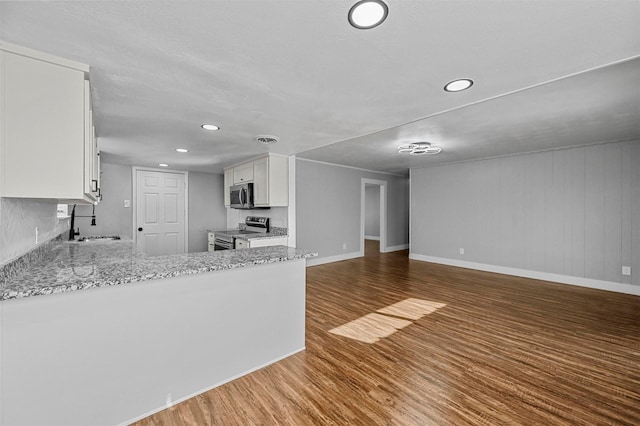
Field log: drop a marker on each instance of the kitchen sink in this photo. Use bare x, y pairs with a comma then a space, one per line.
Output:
99, 238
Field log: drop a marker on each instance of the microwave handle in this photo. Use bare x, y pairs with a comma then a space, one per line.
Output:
241, 192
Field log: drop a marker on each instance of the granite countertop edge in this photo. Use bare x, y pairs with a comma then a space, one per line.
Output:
167, 267
236, 233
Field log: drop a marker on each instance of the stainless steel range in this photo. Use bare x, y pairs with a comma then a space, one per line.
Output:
225, 240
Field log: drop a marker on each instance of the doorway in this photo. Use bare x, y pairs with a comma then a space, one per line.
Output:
373, 215
160, 213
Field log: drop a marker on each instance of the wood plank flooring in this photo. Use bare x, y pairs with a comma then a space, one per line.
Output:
497, 350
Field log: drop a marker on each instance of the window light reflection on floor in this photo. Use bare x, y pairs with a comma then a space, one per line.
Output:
412, 308
375, 326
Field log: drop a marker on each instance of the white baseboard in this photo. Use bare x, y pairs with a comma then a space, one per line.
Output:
397, 248
322, 260
545, 276
178, 401
371, 237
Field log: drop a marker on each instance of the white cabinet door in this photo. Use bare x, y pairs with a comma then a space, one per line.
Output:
91, 159
278, 181
241, 244
261, 182
265, 242
243, 173
44, 121
228, 182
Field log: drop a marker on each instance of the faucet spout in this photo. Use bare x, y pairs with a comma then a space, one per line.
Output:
72, 232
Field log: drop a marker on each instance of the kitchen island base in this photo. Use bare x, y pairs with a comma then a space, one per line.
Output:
113, 355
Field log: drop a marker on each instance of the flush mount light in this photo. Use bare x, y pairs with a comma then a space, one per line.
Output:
182, 150
210, 127
458, 85
367, 14
163, 165
419, 148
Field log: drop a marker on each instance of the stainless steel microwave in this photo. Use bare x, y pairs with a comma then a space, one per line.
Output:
241, 196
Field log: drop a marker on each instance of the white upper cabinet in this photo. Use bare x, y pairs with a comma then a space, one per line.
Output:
91, 158
269, 175
47, 147
243, 173
261, 182
228, 182
271, 181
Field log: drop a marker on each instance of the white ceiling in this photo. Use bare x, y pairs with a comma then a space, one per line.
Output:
298, 70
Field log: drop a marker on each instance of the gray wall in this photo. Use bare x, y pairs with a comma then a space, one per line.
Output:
328, 208
573, 212
372, 211
112, 218
206, 206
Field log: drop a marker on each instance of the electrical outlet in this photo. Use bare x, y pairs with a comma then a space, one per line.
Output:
461, 251
626, 270
344, 246
36, 235
168, 401
127, 203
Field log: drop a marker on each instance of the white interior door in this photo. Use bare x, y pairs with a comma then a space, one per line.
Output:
160, 212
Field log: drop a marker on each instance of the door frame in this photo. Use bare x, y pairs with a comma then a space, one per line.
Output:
383, 212
134, 200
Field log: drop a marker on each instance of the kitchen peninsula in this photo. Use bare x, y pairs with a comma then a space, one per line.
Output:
99, 333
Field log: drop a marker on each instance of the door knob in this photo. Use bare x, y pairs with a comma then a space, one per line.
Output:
140, 229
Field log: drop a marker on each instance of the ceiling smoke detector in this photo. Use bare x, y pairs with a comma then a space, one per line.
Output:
419, 148
266, 139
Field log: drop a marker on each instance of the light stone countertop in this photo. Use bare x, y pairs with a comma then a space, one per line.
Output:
71, 266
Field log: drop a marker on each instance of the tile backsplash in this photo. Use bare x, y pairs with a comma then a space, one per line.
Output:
19, 219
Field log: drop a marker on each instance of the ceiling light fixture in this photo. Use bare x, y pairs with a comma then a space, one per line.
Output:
163, 165
210, 127
182, 150
419, 148
367, 14
458, 85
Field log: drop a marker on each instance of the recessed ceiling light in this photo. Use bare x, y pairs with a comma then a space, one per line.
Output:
458, 85
182, 150
163, 165
210, 127
367, 14
419, 148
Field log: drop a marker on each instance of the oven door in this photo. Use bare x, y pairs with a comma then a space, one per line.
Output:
223, 244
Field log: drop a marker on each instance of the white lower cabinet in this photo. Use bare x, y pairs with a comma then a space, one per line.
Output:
211, 241
242, 244
262, 242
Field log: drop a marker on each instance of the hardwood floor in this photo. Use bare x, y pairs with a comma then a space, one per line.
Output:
496, 350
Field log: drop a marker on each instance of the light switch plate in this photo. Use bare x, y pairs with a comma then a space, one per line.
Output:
127, 203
